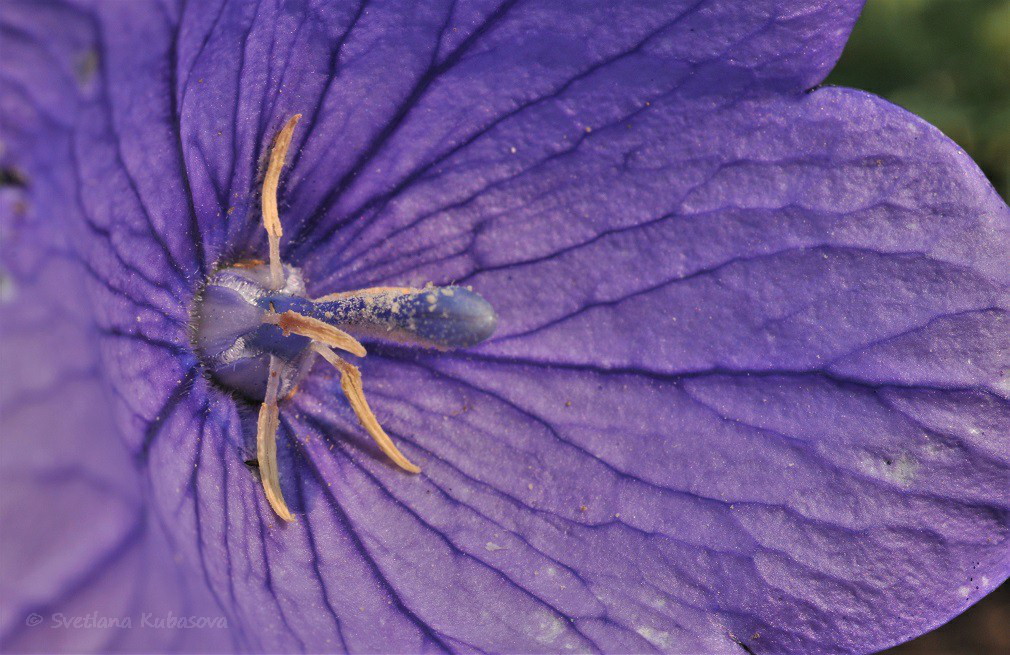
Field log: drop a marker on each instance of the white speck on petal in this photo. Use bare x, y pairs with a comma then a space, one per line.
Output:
547, 628
8, 290
900, 470
655, 637
1003, 384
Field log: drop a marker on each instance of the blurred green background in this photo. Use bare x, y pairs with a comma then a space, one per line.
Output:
945, 60
949, 62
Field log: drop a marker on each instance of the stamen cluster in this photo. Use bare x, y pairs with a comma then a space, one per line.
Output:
258, 333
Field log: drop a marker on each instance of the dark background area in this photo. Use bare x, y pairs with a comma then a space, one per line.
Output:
945, 60
949, 62
982, 630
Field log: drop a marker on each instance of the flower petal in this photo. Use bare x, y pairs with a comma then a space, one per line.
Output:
750, 389
220, 77
770, 410
82, 557
770, 359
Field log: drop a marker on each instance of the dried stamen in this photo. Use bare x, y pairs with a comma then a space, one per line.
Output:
271, 218
266, 445
266, 425
294, 323
350, 382
255, 320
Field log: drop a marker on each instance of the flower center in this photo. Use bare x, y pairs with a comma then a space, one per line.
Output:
240, 322
257, 332
232, 338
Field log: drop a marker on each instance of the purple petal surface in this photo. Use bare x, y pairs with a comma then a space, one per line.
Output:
749, 390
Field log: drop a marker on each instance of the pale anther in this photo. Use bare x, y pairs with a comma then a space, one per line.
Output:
271, 218
266, 444
350, 382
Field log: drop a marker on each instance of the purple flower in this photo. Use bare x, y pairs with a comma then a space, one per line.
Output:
749, 390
